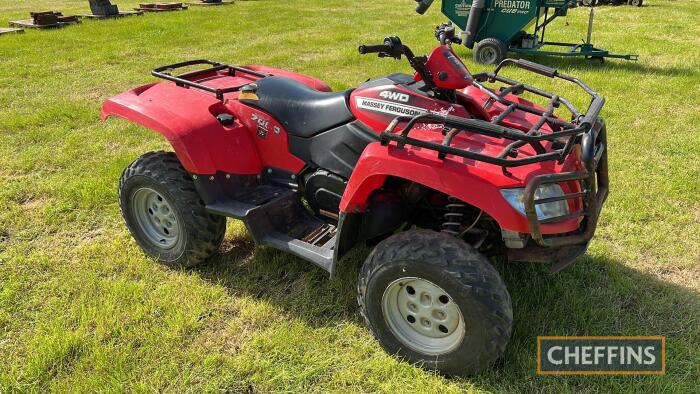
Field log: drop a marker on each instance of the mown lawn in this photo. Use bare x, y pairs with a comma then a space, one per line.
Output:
82, 309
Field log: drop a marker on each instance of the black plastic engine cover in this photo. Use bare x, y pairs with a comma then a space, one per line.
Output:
323, 192
336, 150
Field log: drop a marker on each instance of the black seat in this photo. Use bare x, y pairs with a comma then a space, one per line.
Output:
303, 111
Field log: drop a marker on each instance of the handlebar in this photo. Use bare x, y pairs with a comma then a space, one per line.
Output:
365, 49
392, 47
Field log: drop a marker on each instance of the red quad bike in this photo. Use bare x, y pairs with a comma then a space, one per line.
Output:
436, 169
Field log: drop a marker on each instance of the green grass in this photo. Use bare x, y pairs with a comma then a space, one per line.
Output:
82, 309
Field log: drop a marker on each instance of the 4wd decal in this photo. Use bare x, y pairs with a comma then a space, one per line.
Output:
263, 125
387, 107
394, 96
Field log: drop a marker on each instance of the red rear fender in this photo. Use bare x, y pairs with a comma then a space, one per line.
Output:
187, 118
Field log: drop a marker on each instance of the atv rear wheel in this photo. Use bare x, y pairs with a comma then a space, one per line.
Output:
637, 3
490, 51
164, 213
434, 300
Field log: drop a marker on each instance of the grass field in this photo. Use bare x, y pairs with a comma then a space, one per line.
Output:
82, 309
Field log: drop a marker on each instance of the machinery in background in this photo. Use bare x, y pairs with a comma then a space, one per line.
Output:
492, 28
593, 3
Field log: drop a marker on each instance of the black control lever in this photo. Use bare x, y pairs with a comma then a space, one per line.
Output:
446, 33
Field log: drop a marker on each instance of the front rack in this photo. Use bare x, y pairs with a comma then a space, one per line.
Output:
183, 80
564, 134
585, 128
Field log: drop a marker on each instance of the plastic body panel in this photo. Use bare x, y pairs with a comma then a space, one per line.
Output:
378, 102
187, 119
255, 140
476, 183
452, 177
448, 70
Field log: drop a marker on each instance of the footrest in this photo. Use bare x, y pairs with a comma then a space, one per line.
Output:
322, 256
249, 200
275, 217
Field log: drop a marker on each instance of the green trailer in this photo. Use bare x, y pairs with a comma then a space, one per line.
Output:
494, 27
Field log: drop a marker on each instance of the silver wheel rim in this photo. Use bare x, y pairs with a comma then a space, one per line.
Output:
488, 55
422, 316
156, 218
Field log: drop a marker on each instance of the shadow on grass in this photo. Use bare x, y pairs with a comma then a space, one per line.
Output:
595, 296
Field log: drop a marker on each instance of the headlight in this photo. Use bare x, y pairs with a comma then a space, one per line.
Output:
515, 198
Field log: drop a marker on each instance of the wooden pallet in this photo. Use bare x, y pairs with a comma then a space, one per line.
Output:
29, 24
8, 30
161, 7
199, 3
121, 14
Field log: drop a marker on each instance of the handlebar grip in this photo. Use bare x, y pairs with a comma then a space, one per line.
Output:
536, 68
365, 49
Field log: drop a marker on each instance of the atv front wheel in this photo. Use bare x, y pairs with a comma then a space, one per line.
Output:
434, 300
164, 213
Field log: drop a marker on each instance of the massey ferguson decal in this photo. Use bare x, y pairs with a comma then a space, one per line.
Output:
387, 107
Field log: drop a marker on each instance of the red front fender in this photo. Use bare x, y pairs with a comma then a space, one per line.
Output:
453, 178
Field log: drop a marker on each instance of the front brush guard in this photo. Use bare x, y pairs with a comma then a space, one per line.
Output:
595, 191
585, 128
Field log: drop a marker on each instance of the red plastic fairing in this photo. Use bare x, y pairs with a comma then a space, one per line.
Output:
377, 106
187, 118
447, 69
269, 135
476, 185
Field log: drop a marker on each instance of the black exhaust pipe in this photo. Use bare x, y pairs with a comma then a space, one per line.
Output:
473, 22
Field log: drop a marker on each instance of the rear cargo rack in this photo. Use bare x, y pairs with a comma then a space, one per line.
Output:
184, 80
586, 129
